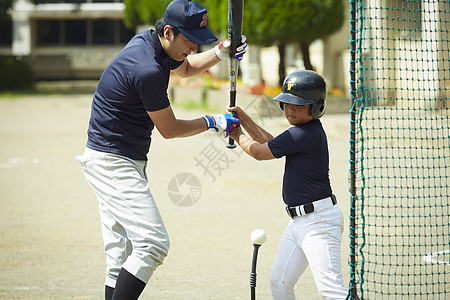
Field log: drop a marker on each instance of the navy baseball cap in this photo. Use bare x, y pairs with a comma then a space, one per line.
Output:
190, 18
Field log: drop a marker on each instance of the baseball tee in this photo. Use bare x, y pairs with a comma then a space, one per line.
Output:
306, 177
135, 82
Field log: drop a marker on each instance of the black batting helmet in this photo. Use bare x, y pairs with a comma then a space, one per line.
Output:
303, 88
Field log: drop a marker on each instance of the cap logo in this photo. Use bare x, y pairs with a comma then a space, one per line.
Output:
204, 20
290, 84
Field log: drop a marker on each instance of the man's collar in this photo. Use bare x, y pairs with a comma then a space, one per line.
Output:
158, 45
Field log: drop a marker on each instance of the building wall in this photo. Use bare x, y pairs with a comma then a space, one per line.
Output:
66, 40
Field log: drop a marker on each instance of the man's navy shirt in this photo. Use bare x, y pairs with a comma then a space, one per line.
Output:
135, 82
307, 163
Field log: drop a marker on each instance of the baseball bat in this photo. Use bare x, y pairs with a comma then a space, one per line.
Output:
253, 272
258, 238
235, 19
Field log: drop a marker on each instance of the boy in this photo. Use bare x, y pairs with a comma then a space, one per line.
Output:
313, 235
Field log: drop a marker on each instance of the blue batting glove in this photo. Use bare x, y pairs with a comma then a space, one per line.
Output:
222, 123
232, 123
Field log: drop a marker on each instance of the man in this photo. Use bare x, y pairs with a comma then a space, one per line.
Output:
130, 99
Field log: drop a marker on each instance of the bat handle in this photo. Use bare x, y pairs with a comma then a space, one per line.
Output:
231, 144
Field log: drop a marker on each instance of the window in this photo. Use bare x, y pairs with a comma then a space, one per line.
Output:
79, 32
48, 32
6, 33
58, 1
125, 34
75, 32
103, 32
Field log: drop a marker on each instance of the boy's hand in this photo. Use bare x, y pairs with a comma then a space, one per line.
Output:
225, 123
236, 133
236, 110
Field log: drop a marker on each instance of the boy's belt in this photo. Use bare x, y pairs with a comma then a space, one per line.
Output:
296, 211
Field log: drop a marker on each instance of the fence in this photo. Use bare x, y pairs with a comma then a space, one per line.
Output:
400, 154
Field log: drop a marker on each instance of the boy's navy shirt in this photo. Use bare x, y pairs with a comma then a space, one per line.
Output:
135, 82
306, 174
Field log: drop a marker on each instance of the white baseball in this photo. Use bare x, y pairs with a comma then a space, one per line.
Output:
258, 237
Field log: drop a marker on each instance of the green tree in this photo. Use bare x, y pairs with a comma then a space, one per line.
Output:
5, 5
292, 21
217, 16
138, 12
266, 23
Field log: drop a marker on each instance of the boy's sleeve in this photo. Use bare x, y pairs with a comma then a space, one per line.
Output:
277, 144
289, 142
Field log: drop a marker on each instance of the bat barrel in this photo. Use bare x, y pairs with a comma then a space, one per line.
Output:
235, 19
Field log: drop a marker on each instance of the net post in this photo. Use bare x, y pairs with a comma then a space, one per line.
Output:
352, 260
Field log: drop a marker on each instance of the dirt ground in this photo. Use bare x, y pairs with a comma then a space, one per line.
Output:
51, 245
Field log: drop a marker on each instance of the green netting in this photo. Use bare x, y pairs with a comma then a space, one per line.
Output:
400, 152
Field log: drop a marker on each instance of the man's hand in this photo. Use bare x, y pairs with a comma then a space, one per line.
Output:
222, 50
222, 123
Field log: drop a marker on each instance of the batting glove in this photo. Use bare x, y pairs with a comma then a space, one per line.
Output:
222, 123
222, 50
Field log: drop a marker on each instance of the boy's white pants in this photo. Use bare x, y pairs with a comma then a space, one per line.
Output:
134, 234
315, 240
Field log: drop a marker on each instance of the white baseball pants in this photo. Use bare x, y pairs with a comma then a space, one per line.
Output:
315, 240
134, 234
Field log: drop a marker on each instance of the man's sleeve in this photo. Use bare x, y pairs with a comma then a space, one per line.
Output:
151, 87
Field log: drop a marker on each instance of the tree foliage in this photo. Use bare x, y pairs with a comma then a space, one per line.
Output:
266, 23
217, 16
138, 12
5, 5
292, 21
15, 75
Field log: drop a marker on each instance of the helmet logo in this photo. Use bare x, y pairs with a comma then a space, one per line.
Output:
290, 84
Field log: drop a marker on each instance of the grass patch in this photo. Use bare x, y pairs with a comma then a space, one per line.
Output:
52, 88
